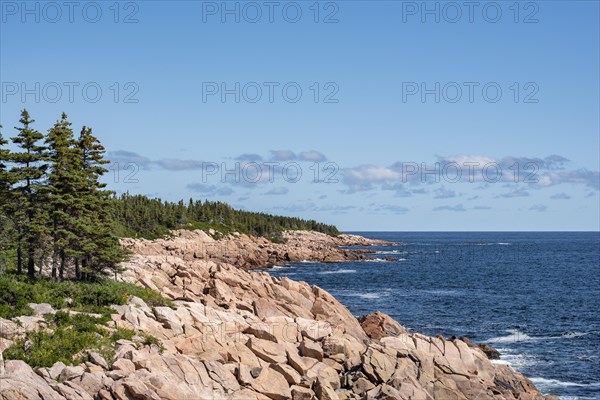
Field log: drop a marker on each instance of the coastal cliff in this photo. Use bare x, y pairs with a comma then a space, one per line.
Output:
250, 252
237, 334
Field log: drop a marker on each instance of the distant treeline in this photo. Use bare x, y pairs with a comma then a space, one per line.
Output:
140, 216
55, 213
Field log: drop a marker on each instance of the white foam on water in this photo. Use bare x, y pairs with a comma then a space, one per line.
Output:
553, 383
517, 361
370, 296
503, 244
518, 336
573, 335
391, 252
515, 336
339, 271
363, 295
576, 398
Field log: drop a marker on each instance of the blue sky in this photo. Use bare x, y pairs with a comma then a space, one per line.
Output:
387, 92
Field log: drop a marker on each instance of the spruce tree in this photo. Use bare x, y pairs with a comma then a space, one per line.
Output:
100, 246
27, 174
6, 228
66, 182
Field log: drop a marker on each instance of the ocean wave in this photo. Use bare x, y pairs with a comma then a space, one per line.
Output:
552, 383
517, 336
362, 295
338, 271
517, 361
441, 292
576, 398
370, 296
573, 335
391, 252
514, 336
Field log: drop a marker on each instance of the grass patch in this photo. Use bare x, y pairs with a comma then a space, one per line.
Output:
68, 336
66, 340
16, 291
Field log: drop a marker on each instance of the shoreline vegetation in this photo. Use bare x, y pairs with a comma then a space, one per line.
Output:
120, 298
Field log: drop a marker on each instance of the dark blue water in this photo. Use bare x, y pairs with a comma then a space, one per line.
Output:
534, 296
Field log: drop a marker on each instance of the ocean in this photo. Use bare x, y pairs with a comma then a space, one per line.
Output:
535, 296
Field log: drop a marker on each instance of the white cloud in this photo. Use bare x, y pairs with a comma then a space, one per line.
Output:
443, 193
210, 190
283, 155
458, 208
312, 155
538, 207
277, 191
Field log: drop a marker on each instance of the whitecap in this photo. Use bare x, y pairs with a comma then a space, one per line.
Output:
363, 295
549, 383
515, 336
370, 296
338, 271
573, 335
517, 361
390, 252
576, 398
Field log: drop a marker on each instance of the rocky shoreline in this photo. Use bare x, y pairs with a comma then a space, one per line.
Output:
249, 252
238, 334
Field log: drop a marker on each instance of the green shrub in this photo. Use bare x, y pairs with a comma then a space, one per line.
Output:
69, 335
61, 318
150, 340
16, 291
45, 348
122, 333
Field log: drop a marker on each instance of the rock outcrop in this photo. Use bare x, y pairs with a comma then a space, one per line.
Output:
249, 252
234, 334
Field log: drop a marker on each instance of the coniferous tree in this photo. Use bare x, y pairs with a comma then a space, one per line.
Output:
28, 190
100, 246
66, 182
6, 227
